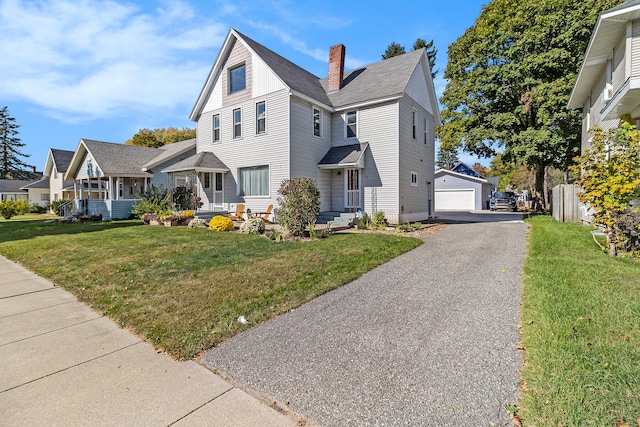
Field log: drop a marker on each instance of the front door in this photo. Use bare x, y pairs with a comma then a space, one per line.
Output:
352, 199
218, 197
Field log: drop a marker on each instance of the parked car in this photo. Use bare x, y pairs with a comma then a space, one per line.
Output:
503, 200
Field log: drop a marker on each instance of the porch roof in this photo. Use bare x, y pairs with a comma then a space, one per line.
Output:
344, 157
200, 162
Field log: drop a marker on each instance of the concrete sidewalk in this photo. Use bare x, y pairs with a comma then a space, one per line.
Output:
63, 364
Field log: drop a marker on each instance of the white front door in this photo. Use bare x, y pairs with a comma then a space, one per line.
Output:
218, 195
352, 199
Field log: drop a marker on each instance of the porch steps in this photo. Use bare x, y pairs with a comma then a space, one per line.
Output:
339, 219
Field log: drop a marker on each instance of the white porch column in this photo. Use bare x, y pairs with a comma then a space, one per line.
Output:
100, 195
118, 188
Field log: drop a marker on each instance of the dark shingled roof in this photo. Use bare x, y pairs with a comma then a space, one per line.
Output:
13, 185
120, 159
380, 80
293, 76
41, 183
345, 155
202, 160
62, 159
169, 151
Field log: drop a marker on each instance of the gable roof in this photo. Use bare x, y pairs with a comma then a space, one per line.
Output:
466, 169
344, 156
62, 158
41, 183
610, 26
386, 79
441, 172
170, 151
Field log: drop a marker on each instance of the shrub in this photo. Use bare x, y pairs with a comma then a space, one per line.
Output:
188, 214
221, 223
365, 222
8, 209
36, 208
56, 204
22, 206
408, 226
155, 200
299, 204
625, 233
198, 223
379, 221
275, 235
252, 226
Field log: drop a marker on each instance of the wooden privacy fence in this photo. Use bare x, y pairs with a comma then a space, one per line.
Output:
565, 205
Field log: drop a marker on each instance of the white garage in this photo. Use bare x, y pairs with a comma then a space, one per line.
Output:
455, 200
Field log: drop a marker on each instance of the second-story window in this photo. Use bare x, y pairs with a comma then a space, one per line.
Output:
317, 122
237, 123
261, 117
216, 128
352, 124
237, 79
414, 123
426, 130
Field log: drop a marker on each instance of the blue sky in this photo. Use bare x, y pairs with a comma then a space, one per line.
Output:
103, 69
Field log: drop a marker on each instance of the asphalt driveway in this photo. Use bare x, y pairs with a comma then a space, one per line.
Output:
426, 339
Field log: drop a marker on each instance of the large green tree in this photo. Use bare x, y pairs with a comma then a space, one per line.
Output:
159, 137
11, 167
447, 158
510, 77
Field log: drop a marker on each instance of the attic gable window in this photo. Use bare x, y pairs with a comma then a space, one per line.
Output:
237, 79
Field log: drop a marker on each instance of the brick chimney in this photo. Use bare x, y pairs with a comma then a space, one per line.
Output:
336, 67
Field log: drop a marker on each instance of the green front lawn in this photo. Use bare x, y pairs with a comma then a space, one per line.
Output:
580, 330
183, 288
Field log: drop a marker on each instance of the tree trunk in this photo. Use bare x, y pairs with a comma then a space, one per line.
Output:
538, 195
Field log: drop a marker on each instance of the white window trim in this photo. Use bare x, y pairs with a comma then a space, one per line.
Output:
346, 125
264, 101
414, 184
238, 181
204, 181
313, 123
213, 129
414, 124
233, 121
229, 79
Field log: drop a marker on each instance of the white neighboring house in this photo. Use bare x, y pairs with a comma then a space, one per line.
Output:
366, 136
608, 85
55, 167
38, 192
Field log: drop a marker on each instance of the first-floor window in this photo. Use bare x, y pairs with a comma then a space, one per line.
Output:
44, 197
261, 117
414, 178
207, 180
237, 123
254, 181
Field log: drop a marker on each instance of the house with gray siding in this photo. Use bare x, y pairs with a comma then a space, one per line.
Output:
366, 136
108, 178
461, 189
608, 85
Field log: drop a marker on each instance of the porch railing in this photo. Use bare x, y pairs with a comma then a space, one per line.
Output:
65, 209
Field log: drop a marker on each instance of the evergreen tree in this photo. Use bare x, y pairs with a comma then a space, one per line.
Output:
431, 53
394, 49
11, 167
447, 158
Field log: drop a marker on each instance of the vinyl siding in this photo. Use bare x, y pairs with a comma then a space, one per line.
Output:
238, 55
452, 182
618, 77
307, 149
271, 148
417, 86
162, 179
88, 163
635, 49
264, 81
416, 156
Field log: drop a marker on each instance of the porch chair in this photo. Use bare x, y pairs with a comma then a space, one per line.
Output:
265, 215
238, 214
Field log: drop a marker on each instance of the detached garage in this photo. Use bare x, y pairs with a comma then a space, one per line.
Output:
460, 192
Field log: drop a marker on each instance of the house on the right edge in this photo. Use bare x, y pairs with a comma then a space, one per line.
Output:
608, 85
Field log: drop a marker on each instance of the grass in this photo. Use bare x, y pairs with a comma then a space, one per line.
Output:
580, 330
182, 288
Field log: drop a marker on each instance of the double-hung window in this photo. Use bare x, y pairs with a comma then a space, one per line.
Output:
237, 123
261, 117
237, 79
216, 128
426, 130
352, 124
317, 122
414, 124
414, 178
253, 181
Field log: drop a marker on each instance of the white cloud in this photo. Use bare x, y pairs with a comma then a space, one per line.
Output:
86, 59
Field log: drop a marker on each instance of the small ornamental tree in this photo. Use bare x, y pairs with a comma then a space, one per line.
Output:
299, 204
610, 175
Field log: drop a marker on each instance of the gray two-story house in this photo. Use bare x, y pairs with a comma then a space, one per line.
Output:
365, 136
